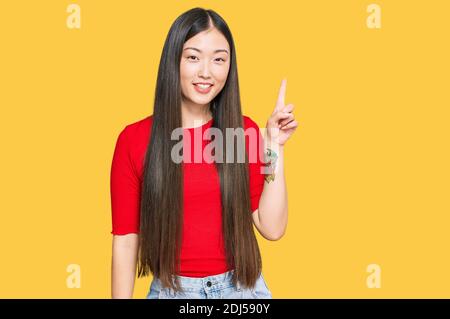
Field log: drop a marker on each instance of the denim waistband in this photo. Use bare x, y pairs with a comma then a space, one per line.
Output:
223, 279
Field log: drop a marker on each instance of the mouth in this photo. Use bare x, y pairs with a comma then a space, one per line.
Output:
203, 87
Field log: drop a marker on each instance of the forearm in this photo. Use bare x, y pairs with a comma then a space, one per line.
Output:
273, 202
123, 266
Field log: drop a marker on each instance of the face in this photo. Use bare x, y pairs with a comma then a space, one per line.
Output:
205, 59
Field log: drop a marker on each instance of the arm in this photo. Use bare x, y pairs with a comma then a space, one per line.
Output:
123, 266
272, 214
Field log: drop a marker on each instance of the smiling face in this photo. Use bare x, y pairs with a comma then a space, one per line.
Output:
205, 59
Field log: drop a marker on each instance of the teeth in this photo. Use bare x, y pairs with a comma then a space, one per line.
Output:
204, 86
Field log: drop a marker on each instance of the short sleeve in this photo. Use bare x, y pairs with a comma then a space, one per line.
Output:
256, 176
125, 188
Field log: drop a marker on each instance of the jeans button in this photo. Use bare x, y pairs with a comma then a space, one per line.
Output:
209, 283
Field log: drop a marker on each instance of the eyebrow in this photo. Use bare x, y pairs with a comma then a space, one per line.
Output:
219, 50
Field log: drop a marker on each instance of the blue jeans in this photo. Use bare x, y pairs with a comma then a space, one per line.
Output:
211, 287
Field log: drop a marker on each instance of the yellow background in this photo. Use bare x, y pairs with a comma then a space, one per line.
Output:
367, 169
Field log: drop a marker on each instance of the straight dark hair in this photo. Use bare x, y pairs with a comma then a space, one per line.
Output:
161, 210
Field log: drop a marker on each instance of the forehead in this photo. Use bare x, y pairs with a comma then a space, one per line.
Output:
208, 41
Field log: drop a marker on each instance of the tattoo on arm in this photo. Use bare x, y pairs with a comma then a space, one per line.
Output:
271, 161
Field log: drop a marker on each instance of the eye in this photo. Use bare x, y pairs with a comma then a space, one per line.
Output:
191, 56
220, 59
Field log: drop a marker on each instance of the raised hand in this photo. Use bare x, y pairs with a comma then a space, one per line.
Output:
281, 124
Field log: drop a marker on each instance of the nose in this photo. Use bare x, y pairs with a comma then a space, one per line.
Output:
204, 70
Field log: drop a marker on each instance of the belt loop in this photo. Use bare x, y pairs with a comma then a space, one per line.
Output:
231, 274
238, 286
171, 291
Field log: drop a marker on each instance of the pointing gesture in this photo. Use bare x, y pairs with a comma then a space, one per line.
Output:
281, 95
281, 124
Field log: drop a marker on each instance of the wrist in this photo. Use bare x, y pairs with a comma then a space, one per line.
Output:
273, 145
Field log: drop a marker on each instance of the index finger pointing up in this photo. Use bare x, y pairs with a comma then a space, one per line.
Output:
281, 95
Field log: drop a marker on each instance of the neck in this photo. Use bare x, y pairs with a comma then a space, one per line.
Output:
194, 115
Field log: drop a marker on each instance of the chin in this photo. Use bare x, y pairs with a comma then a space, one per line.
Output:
201, 101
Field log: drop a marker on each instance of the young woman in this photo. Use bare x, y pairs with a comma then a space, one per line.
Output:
191, 223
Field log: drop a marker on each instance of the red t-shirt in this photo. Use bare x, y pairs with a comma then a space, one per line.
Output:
202, 251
